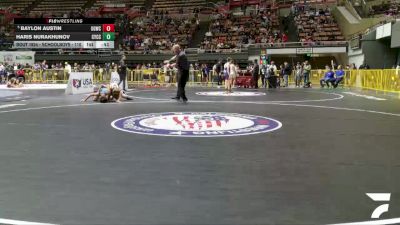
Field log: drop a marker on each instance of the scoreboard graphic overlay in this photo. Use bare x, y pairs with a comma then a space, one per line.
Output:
61, 33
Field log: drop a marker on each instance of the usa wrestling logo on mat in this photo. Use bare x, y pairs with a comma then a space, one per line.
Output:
196, 124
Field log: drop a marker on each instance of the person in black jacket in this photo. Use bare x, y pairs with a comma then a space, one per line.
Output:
122, 73
217, 72
287, 70
364, 66
256, 73
272, 75
182, 65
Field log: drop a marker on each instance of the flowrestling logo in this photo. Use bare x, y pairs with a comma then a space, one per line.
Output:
196, 124
377, 212
379, 197
233, 94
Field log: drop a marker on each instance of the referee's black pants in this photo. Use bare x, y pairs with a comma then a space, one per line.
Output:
183, 77
272, 81
255, 80
122, 79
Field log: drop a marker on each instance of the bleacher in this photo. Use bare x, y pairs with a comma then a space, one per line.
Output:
128, 3
389, 9
164, 25
232, 31
175, 6
17, 6
317, 25
58, 6
158, 33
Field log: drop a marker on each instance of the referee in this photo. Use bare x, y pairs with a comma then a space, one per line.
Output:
122, 72
182, 65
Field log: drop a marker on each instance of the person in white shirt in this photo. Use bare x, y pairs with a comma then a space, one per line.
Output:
237, 74
272, 75
298, 74
67, 70
233, 73
3, 74
226, 73
264, 40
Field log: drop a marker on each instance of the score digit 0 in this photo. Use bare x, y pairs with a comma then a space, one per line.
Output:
108, 28
108, 36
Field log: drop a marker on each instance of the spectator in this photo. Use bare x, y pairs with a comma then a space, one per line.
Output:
306, 73
329, 77
287, 70
364, 66
67, 70
217, 69
205, 73
272, 75
298, 74
263, 74
3, 74
284, 38
316, 26
255, 73
20, 75
44, 67
339, 73
241, 30
281, 71
86, 67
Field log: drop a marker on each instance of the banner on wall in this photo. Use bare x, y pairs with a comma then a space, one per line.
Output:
115, 79
301, 51
79, 83
395, 39
17, 57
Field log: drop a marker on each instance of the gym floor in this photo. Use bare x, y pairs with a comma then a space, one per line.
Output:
62, 162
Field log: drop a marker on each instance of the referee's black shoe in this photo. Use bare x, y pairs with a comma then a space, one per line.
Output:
176, 98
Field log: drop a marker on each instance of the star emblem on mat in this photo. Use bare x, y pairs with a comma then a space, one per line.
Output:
152, 122
177, 133
263, 122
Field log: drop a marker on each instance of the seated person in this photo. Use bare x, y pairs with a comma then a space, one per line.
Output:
328, 78
101, 94
339, 76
